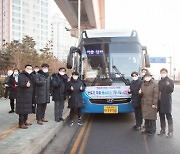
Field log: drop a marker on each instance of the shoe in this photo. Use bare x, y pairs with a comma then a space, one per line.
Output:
61, 119
79, 118
71, 124
44, 120
80, 122
40, 122
27, 124
23, 126
137, 128
150, 134
162, 132
169, 135
58, 120
12, 111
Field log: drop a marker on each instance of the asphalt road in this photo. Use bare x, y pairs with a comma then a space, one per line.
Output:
113, 134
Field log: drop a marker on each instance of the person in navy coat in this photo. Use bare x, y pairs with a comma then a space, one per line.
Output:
136, 99
166, 87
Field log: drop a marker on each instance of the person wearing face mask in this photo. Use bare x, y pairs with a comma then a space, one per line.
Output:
13, 85
59, 86
136, 99
166, 87
143, 72
36, 69
34, 73
42, 92
24, 96
75, 88
149, 91
6, 83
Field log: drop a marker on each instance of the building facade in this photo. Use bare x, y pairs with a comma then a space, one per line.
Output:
60, 37
24, 17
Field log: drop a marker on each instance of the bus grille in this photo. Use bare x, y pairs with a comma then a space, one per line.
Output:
110, 101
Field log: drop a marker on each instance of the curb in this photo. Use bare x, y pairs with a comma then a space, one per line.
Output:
37, 145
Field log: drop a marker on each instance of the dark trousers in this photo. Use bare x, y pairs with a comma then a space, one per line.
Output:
12, 104
150, 126
74, 110
22, 118
33, 108
169, 120
58, 109
6, 92
138, 116
40, 111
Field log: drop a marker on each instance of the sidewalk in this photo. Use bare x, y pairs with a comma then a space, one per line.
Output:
26, 141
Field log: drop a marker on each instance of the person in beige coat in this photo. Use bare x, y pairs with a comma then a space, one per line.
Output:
149, 91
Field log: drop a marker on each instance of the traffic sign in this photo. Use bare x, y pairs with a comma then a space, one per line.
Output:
157, 59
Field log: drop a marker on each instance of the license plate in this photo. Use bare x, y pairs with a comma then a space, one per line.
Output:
110, 109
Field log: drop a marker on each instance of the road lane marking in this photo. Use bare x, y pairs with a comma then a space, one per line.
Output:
83, 145
76, 143
146, 145
8, 132
14, 128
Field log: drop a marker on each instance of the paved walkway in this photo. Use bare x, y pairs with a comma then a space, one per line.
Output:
26, 141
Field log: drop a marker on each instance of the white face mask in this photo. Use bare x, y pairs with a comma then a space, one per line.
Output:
135, 78
45, 70
29, 71
147, 78
75, 77
16, 73
61, 73
143, 74
10, 72
163, 75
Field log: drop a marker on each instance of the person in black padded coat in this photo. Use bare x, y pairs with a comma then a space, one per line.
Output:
75, 89
59, 86
42, 92
24, 96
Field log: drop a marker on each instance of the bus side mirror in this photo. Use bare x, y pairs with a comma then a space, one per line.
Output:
144, 48
70, 56
146, 56
147, 61
70, 61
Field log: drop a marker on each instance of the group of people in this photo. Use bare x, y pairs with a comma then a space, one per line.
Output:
32, 90
150, 97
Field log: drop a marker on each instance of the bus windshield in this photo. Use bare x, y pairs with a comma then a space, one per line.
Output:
100, 59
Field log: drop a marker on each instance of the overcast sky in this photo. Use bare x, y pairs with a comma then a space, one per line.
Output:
54, 9
157, 22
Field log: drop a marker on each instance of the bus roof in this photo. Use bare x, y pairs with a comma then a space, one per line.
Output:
110, 33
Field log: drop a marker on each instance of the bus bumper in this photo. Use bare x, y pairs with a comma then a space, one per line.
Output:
88, 107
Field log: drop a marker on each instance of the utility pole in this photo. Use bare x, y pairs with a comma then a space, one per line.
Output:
2, 25
79, 18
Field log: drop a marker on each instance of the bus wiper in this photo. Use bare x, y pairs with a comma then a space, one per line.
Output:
126, 81
95, 80
97, 77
